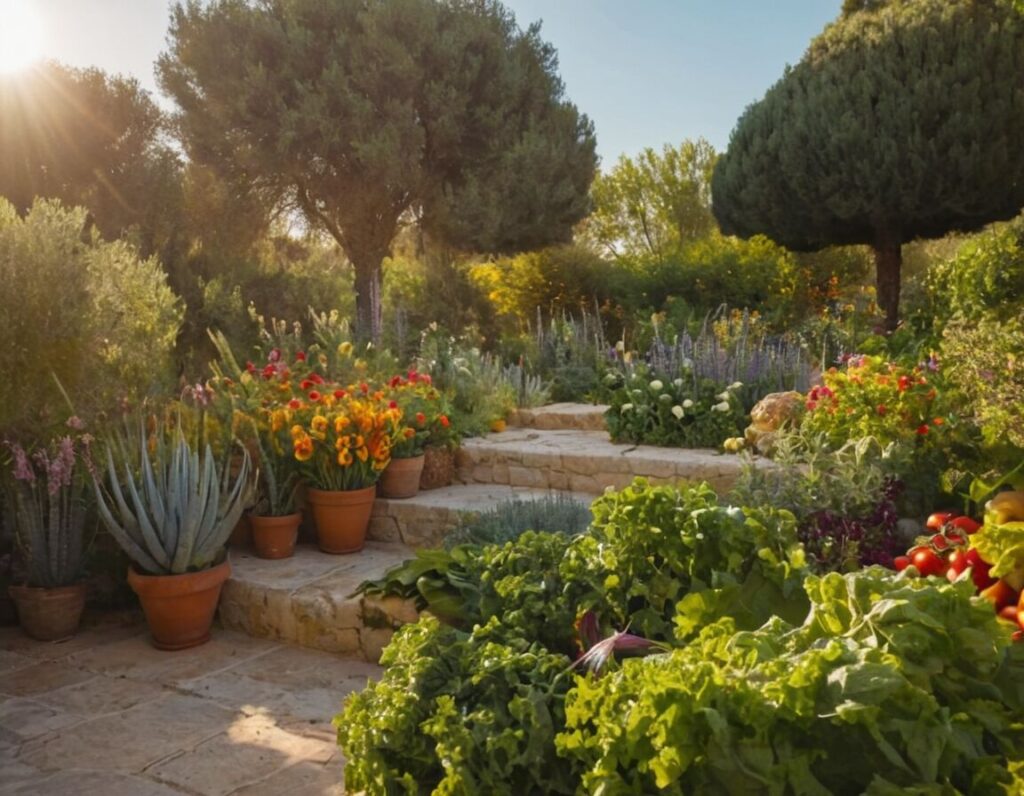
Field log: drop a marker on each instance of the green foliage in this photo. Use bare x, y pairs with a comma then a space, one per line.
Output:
985, 279
458, 714
91, 139
873, 137
360, 114
651, 549
653, 204
986, 371
507, 521
91, 313
173, 510
891, 683
686, 412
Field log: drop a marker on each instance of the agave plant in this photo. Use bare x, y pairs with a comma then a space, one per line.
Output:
174, 510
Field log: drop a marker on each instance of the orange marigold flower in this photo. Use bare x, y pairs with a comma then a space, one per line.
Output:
341, 423
344, 457
938, 421
304, 449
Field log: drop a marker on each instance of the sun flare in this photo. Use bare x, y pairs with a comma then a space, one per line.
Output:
21, 35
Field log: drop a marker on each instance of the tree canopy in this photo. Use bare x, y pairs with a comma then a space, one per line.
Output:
903, 120
364, 116
650, 205
89, 139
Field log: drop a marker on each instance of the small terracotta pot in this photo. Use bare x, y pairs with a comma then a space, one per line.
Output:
341, 517
401, 478
274, 537
179, 608
438, 468
49, 614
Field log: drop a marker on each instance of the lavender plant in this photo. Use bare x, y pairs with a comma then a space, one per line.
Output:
46, 497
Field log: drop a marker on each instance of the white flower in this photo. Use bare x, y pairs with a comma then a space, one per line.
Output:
687, 363
656, 386
687, 404
626, 408
678, 411
722, 407
735, 385
638, 393
620, 346
678, 382
722, 396
610, 379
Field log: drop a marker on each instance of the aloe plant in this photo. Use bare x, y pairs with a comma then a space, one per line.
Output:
172, 512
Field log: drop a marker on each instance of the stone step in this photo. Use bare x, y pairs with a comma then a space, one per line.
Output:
307, 599
585, 462
424, 520
563, 416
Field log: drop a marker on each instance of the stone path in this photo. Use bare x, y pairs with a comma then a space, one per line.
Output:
105, 713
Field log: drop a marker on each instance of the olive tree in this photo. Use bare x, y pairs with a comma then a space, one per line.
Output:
904, 120
365, 116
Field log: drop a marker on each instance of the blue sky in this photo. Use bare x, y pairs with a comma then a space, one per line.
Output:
648, 72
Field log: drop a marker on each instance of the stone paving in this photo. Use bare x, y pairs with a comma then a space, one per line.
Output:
583, 417
105, 713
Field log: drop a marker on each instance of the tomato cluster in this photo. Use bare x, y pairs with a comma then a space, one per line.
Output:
947, 551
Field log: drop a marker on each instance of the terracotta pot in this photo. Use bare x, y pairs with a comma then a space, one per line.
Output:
179, 608
438, 468
401, 478
341, 517
49, 614
241, 534
274, 537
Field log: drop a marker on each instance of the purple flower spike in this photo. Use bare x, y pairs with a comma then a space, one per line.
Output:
598, 655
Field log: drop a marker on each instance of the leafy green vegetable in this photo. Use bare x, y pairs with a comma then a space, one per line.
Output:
1003, 546
651, 549
459, 713
891, 683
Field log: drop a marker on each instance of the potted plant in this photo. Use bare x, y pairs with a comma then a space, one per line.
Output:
45, 500
274, 519
439, 452
419, 402
172, 509
342, 441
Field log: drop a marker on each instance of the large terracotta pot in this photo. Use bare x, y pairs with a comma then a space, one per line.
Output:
179, 608
438, 468
274, 537
341, 517
49, 614
401, 478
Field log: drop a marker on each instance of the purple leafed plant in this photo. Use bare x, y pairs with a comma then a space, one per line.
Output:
599, 651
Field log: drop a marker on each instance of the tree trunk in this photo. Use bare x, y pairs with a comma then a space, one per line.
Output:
368, 297
888, 262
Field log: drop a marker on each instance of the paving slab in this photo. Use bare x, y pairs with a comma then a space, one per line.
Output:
110, 720
309, 600
585, 462
426, 519
561, 416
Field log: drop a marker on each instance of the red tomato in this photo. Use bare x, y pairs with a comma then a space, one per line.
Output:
938, 519
900, 563
979, 570
940, 542
965, 524
1010, 614
957, 561
1000, 595
927, 562
956, 539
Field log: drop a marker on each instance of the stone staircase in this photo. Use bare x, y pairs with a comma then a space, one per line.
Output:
307, 600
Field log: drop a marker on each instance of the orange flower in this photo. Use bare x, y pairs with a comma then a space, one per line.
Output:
344, 457
304, 449
938, 421
318, 426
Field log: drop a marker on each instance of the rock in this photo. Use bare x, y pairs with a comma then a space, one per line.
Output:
769, 415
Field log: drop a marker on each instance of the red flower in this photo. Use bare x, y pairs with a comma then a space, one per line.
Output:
339, 394
903, 384
443, 419
316, 378
268, 372
305, 384
814, 394
392, 404
413, 377
294, 403
300, 357
881, 409
314, 395
811, 406
364, 388
922, 429
825, 391
420, 418
395, 381
425, 378
275, 355
250, 367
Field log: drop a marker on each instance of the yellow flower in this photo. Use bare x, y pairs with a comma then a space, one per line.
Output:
363, 454
318, 426
298, 432
344, 457
341, 423
345, 349
304, 449
277, 420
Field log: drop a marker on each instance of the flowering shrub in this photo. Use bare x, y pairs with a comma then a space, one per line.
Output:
422, 410
875, 398
687, 413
